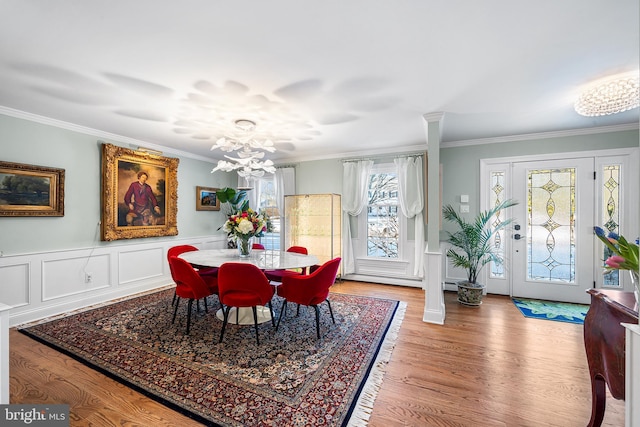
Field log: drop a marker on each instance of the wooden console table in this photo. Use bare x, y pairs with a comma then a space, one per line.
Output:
604, 341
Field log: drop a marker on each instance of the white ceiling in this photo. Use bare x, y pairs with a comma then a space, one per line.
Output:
326, 78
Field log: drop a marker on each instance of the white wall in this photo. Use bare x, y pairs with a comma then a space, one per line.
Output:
43, 260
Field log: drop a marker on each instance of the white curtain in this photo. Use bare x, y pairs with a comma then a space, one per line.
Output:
253, 195
354, 197
285, 180
411, 196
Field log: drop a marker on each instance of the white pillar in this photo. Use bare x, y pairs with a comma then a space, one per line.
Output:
632, 375
4, 354
434, 310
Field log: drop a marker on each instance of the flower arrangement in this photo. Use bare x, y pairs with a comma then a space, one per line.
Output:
624, 254
243, 226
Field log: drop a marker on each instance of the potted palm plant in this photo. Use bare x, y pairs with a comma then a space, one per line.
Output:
472, 247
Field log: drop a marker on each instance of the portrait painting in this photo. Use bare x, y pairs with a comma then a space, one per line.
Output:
29, 190
207, 199
139, 194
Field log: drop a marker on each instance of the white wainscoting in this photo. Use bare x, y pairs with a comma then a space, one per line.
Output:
389, 272
40, 285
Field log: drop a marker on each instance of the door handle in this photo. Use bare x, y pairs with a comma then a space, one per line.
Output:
518, 236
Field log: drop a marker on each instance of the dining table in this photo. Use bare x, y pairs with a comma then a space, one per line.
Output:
263, 259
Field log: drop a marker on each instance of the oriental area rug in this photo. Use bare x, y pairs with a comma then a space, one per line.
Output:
290, 379
551, 310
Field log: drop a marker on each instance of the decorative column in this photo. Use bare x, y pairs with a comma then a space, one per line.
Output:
632, 375
4, 354
434, 311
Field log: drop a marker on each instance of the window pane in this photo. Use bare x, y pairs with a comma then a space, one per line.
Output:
382, 216
267, 204
611, 214
497, 196
551, 224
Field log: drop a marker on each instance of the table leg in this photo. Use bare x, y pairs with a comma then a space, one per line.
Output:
245, 315
598, 400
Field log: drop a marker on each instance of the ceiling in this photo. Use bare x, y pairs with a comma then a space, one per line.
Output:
322, 79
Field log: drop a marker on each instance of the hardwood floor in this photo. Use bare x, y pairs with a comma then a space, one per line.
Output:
486, 366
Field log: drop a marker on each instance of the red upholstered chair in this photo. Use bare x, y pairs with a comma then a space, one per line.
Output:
189, 284
243, 285
257, 246
180, 249
209, 274
277, 275
310, 290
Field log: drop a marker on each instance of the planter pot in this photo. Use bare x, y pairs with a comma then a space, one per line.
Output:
470, 293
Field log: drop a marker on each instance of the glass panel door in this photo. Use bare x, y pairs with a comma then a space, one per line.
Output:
552, 253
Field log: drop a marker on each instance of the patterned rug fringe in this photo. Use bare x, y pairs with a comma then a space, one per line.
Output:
364, 405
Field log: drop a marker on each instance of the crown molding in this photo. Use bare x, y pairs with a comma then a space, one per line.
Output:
369, 153
387, 152
134, 143
541, 135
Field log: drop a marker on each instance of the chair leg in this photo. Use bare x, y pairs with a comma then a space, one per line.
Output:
317, 320
175, 311
189, 315
206, 308
175, 297
273, 320
283, 310
331, 311
298, 311
255, 322
198, 305
237, 314
225, 312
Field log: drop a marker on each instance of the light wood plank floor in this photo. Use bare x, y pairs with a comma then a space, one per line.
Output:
486, 366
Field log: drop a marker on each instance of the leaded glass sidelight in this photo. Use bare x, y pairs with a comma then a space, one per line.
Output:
496, 196
551, 207
611, 214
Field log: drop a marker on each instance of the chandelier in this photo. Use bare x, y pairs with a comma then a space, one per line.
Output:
250, 151
610, 96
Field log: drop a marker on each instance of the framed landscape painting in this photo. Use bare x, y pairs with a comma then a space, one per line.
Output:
28, 190
207, 199
139, 194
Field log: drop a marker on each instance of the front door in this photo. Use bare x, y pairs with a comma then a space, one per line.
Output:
553, 243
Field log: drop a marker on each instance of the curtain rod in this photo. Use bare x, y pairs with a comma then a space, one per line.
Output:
357, 159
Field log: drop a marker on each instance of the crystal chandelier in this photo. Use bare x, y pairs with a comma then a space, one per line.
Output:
250, 152
610, 96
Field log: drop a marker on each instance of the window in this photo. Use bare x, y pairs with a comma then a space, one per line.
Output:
382, 213
267, 204
610, 213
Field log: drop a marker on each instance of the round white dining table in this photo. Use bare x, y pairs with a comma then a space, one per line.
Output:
263, 259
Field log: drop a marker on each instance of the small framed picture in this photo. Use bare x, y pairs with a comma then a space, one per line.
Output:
29, 190
207, 199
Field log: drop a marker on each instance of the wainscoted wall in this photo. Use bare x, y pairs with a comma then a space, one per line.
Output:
40, 285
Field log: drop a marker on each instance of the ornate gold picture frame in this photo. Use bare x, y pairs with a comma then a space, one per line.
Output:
139, 194
207, 199
28, 190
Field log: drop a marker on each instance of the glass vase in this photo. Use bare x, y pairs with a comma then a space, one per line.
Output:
245, 244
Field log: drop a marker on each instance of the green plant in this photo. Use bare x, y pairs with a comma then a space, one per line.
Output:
472, 244
236, 200
624, 253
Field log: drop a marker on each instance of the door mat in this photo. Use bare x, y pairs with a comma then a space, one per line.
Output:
552, 310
